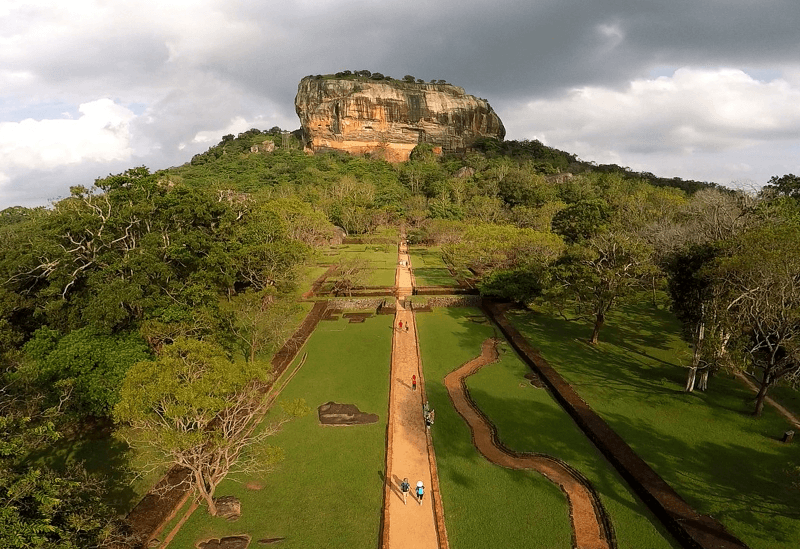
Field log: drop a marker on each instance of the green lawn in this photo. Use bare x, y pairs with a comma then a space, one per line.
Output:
429, 269
382, 260
489, 506
707, 446
328, 491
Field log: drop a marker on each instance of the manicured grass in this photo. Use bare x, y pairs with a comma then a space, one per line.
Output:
382, 261
722, 460
310, 274
429, 269
527, 419
328, 491
485, 505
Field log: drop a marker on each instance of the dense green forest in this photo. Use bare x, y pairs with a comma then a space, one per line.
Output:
198, 265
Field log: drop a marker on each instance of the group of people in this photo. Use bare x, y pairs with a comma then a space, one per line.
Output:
429, 417
428, 414
405, 487
419, 491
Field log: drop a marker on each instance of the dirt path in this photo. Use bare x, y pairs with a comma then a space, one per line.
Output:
769, 400
407, 525
590, 525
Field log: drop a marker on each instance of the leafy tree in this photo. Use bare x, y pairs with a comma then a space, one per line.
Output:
536, 218
582, 220
199, 410
521, 284
486, 248
87, 364
785, 185
261, 320
301, 221
758, 278
521, 186
595, 276
41, 507
693, 292
442, 207
485, 209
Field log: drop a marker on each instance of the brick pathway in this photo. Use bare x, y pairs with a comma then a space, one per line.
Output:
407, 525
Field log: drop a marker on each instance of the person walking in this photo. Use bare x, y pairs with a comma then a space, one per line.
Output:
414, 382
401, 325
420, 491
406, 327
405, 487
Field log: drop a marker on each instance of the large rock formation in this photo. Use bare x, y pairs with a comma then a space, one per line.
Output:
360, 115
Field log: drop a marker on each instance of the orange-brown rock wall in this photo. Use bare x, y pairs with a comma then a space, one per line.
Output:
389, 117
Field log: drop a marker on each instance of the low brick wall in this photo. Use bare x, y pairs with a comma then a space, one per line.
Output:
689, 527
357, 304
444, 290
454, 301
363, 292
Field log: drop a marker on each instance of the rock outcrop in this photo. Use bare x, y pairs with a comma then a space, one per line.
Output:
359, 116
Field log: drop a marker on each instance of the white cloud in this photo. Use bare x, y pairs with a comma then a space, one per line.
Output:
101, 134
190, 66
236, 126
694, 113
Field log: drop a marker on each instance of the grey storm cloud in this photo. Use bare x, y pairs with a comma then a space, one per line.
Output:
190, 71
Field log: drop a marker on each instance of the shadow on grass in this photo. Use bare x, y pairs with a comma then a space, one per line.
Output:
101, 454
733, 482
568, 346
706, 445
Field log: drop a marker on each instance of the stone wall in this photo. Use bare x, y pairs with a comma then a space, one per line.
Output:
357, 304
454, 301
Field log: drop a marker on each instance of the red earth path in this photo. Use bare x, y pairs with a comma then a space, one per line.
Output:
591, 528
409, 454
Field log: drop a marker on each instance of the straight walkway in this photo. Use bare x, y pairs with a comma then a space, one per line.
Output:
409, 525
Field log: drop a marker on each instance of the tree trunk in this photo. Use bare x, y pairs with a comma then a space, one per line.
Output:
699, 335
690, 379
655, 303
200, 485
762, 395
703, 380
598, 323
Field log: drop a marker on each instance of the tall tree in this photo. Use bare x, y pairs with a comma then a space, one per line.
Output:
694, 301
785, 185
87, 364
261, 320
595, 276
199, 410
486, 248
761, 284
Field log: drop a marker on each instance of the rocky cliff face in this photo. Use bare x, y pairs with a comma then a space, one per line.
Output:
390, 117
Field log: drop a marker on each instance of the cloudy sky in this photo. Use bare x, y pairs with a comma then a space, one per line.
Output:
700, 89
